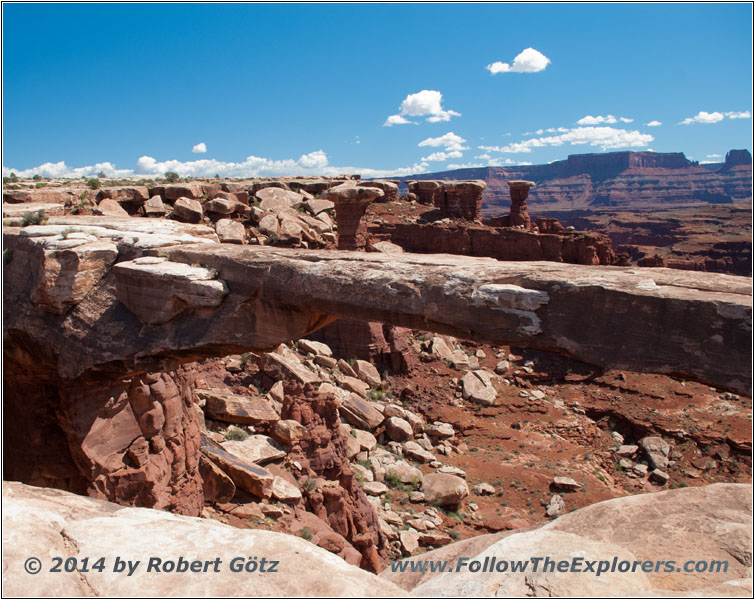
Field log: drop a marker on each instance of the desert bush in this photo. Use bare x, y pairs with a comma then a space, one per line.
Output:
93, 183
172, 176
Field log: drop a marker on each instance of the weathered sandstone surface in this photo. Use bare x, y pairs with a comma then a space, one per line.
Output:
712, 523
46, 523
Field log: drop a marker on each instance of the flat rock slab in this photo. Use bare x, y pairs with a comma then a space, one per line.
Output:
233, 408
257, 449
245, 474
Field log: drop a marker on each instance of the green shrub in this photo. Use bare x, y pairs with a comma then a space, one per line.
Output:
172, 176
306, 533
37, 178
33, 218
93, 183
235, 433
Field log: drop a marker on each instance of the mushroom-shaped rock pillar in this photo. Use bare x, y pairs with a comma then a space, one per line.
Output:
351, 202
519, 191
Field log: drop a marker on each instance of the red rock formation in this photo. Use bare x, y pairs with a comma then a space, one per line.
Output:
624, 179
497, 242
519, 216
549, 225
351, 202
133, 441
335, 495
456, 199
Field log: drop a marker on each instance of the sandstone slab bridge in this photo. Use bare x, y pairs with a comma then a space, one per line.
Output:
85, 296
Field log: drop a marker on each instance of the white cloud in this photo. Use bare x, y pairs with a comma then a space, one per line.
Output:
483, 156
704, 117
713, 156
450, 141
200, 148
715, 117
60, 169
442, 156
313, 163
427, 103
397, 120
464, 165
528, 60
654, 124
606, 138
599, 120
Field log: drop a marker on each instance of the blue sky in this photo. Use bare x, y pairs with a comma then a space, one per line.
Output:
319, 88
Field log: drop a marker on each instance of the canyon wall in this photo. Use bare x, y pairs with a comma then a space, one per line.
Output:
617, 179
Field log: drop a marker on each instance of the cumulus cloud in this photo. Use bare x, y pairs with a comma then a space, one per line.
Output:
654, 124
397, 120
442, 156
450, 142
713, 156
313, 163
607, 138
60, 169
427, 103
715, 117
528, 60
599, 120
200, 148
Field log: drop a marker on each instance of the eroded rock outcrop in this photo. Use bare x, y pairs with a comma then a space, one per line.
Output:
47, 523
334, 495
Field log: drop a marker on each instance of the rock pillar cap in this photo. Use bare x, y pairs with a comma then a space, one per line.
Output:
520, 183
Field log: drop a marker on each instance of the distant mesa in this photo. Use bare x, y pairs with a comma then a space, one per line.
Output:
616, 179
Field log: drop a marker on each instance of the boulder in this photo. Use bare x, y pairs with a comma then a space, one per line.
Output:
483, 489
231, 232
367, 373
221, 206
416, 452
375, 488
278, 367
316, 348
403, 471
245, 474
275, 199
233, 408
442, 489
477, 386
111, 208
258, 449
188, 210
289, 431
565, 483
360, 413
398, 430
284, 490
269, 225
657, 451
409, 542
154, 207
216, 485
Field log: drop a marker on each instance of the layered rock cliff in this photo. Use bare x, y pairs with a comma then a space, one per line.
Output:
617, 179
